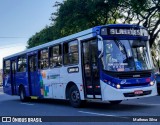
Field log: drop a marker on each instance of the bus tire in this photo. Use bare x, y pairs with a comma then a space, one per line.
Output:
74, 97
115, 102
22, 94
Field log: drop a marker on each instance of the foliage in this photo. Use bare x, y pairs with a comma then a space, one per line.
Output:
143, 12
76, 15
73, 16
156, 54
47, 34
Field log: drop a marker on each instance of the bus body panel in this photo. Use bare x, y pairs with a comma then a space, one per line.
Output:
22, 79
35, 84
75, 76
7, 88
48, 80
54, 81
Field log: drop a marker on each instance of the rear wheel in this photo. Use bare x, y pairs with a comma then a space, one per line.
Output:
74, 97
115, 102
22, 94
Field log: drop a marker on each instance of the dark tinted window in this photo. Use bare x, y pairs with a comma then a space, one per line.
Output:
7, 67
22, 63
55, 56
70, 52
43, 58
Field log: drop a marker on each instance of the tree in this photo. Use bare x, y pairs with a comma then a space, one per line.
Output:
76, 15
142, 12
73, 16
156, 54
45, 35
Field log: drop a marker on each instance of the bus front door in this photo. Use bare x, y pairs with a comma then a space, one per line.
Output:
13, 77
32, 74
90, 69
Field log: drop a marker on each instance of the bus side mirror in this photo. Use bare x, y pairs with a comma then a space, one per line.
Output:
100, 46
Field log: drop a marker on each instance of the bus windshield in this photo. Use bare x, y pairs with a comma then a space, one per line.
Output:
126, 55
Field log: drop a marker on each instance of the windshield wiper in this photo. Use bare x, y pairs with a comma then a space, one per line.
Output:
121, 47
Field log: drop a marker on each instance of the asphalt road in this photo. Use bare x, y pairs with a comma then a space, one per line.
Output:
12, 106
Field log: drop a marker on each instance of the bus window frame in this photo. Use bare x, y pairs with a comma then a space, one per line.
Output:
4, 67
60, 55
21, 56
39, 58
67, 42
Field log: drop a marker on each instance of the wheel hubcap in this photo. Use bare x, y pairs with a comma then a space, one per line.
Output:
75, 96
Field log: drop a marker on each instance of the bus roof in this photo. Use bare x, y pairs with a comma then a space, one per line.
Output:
70, 37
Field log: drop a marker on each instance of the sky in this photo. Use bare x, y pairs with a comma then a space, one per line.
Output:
19, 20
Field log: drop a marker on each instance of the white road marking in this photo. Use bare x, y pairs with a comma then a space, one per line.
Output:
148, 104
99, 114
26, 104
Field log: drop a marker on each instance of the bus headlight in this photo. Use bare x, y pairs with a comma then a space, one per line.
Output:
118, 86
152, 83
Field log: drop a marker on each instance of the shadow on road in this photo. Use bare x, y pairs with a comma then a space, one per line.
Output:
51, 101
89, 105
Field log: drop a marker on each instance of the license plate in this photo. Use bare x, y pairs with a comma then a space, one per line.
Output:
138, 92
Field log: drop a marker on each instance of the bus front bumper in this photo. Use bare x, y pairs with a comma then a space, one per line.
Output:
110, 93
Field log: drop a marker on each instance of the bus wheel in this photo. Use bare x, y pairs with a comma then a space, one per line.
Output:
22, 94
115, 102
74, 97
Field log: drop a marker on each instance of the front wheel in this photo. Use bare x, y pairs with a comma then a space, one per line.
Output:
115, 102
74, 97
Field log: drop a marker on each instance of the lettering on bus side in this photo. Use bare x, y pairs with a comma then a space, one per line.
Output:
73, 69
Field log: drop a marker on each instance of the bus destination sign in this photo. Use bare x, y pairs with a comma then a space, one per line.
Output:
135, 32
124, 31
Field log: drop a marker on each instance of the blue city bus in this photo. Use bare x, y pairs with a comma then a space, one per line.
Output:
106, 63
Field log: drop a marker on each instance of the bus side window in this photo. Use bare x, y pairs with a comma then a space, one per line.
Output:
55, 56
70, 52
32, 64
43, 59
7, 67
22, 64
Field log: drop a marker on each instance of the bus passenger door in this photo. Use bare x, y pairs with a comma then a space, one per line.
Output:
32, 74
13, 77
90, 69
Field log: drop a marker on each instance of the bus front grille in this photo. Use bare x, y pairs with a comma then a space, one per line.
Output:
133, 75
135, 85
